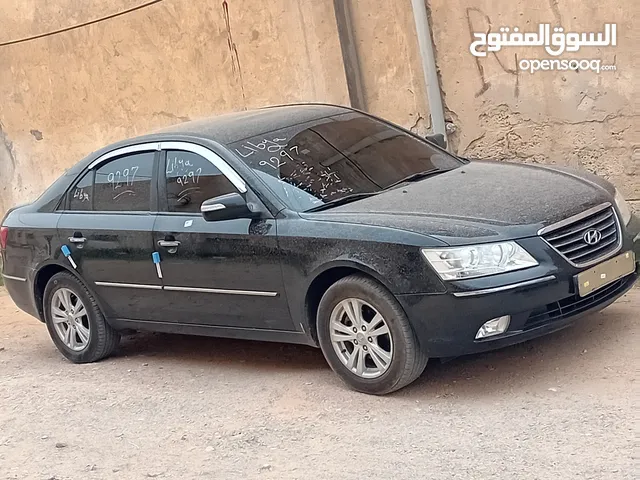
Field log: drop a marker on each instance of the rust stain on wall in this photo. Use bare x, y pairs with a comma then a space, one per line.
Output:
556, 11
485, 85
8, 147
233, 50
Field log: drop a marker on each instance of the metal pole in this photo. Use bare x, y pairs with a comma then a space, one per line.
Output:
349, 53
434, 95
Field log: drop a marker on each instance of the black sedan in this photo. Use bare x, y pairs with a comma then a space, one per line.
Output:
319, 225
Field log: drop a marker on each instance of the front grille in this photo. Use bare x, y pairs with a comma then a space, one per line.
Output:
569, 240
575, 304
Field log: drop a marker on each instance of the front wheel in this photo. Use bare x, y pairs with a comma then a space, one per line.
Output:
366, 336
74, 320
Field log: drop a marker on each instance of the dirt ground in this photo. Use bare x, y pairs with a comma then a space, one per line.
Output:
560, 407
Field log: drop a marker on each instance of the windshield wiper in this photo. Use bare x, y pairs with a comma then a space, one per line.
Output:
359, 196
343, 200
414, 177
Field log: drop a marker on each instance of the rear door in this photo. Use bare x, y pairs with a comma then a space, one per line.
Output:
107, 226
222, 273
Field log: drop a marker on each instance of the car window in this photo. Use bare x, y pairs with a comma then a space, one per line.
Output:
80, 197
326, 160
191, 179
382, 152
124, 184
295, 159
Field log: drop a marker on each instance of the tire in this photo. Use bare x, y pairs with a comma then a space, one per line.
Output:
101, 339
368, 374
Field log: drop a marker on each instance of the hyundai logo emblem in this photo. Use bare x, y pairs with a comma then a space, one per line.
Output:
592, 236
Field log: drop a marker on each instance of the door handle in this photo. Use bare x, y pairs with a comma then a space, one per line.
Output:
77, 239
169, 243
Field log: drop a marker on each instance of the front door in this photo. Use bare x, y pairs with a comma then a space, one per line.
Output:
225, 273
107, 227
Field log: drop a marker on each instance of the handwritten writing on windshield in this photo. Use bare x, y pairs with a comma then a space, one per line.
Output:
276, 146
554, 43
286, 160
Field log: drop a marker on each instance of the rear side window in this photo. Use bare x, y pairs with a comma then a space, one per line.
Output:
192, 179
81, 196
124, 184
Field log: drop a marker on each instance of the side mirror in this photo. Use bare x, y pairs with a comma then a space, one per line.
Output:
228, 207
438, 139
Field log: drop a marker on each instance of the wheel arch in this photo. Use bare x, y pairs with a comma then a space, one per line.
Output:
323, 278
42, 277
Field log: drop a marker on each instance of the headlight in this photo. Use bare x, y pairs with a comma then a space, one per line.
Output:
623, 208
458, 263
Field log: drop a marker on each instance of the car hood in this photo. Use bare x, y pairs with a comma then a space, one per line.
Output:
481, 201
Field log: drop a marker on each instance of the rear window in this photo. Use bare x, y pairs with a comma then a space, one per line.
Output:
53, 197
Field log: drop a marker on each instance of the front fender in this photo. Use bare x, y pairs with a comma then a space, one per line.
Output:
346, 263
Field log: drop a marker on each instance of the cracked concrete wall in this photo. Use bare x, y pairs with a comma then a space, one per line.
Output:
389, 59
579, 119
68, 94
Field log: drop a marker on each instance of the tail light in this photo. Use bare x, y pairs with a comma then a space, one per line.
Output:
4, 233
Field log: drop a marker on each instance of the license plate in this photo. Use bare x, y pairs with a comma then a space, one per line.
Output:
605, 273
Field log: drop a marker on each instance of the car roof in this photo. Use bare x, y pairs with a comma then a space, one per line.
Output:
227, 128
232, 127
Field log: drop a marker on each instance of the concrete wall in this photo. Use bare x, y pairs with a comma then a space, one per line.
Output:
389, 59
580, 119
65, 95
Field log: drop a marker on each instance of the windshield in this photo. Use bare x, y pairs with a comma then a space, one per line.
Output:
323, 161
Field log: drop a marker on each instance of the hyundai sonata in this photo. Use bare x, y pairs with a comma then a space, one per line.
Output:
319, 225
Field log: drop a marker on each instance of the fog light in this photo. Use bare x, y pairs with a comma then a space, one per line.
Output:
494, 327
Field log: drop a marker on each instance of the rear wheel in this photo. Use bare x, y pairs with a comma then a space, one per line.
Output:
366, 337
74, 320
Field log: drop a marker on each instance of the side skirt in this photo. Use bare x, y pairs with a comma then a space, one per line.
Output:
214, 331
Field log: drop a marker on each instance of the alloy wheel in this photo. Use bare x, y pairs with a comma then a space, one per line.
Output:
361, 338
70, 319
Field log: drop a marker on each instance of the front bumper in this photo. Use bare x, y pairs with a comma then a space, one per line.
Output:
539, 300
535, 311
